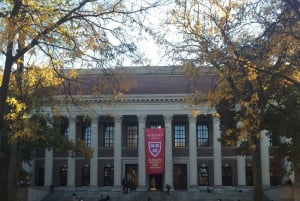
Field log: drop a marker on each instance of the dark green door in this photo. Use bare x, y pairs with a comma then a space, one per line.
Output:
180, 177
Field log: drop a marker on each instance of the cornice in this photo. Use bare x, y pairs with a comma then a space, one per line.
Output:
152, 98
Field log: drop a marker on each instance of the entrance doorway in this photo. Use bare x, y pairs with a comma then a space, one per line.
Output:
63, 176
155, 182
132, 176
226, 176
180, 177
40, 177
249, 176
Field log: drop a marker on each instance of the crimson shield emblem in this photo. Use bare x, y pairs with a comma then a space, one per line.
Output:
154, 148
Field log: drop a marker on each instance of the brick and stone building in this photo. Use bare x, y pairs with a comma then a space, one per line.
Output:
193, 156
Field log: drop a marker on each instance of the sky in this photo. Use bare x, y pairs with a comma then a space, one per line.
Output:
146, 46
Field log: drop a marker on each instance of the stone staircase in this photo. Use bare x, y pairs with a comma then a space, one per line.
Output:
226, 195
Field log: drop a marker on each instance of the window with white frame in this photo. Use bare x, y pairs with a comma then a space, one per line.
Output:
132, 135
109, 131
202, 134
179, 135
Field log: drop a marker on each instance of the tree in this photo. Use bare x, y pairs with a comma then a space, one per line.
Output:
282, 120
251, 49
29, 128
21, 129
62, 35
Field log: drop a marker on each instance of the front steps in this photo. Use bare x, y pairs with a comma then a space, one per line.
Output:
226, 195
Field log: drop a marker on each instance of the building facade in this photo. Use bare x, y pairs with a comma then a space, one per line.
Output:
193, 156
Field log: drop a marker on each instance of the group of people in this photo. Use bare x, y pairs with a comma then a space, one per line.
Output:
126, 186
102, 198
76, 198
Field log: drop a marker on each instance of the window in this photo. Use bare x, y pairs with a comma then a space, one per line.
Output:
109, 134
274, 139
87, 136
203, 179
63, 176
179, 137
64, 126
84, 129
202, 135
108, 176
270, 139
132, 135
85, 176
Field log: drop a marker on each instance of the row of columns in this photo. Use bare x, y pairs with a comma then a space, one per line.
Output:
168, 176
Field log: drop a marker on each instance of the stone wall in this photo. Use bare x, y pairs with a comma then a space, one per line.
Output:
37, 194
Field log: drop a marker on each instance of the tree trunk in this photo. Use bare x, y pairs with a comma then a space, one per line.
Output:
257, 175
4, 162
4, 156
13, 171
3, 175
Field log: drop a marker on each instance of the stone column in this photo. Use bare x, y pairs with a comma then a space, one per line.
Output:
265, 159
217, 152
141, 155
117, 153
48, 167
241, 169
168, 151
94, 146
193, 152
71, 159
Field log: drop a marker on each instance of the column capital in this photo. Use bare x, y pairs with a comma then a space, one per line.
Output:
94, 119
118, 118
192, 117
141, 117
216, 116
93, 116
72, 118
168, 117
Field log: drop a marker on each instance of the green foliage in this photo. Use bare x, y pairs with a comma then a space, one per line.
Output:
254, 48
227, 110
39, 40
283, 120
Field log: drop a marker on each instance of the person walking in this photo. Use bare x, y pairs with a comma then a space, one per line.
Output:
168, 189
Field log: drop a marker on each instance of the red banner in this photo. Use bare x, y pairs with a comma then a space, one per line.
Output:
155, 150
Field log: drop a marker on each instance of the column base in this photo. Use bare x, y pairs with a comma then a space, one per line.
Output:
193, 188
243, 188
93, 189
219, 189
141, 188
117, 189
69, 188
171, 189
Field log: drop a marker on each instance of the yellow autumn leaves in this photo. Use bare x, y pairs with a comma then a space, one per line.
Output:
26, 87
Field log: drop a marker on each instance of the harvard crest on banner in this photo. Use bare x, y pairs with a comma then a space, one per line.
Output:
155, 155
